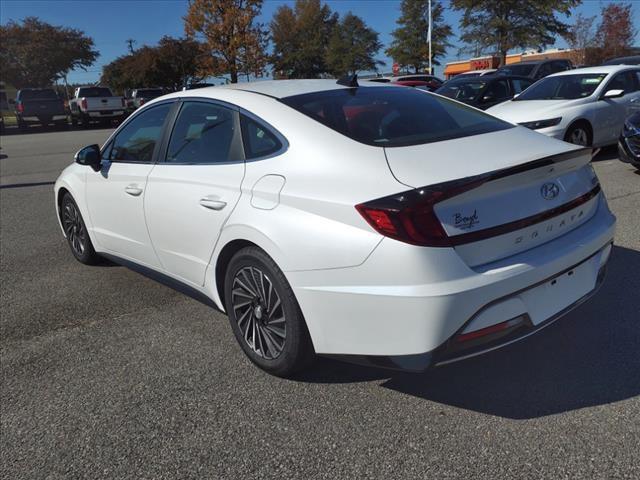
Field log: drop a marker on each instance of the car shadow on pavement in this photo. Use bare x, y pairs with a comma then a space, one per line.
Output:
588, 358
606, 153
24, 185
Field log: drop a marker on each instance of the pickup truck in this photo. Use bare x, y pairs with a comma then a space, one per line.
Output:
140, 96
39, 105
96, 104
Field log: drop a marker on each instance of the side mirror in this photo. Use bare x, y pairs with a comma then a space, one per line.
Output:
89, 156
613, 93
516, 95
487, 98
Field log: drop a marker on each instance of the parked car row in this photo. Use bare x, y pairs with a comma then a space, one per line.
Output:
90, 104
586, 106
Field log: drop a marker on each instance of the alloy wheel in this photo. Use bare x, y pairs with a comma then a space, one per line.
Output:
74, 228
579, 137
259, 312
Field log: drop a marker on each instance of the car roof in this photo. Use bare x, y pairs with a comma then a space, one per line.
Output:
525, 62
622, 60
605, 69
488, 77
289, 88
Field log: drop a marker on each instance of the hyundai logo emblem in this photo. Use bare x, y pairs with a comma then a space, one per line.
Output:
549, 191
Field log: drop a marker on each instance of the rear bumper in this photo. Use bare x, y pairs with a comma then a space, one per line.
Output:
43, 118
404, 305
105, 114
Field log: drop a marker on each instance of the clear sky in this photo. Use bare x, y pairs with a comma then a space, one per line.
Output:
112, 22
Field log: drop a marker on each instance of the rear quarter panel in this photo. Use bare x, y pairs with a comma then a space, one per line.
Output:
315, 224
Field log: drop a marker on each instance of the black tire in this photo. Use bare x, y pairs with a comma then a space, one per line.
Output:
259, 325
579, 130
76, 232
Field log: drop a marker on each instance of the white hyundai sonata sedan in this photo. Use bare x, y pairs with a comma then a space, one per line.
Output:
374, 223
586, 107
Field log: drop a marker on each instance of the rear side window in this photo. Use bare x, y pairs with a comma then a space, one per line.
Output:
138, 138
259, 141
498, 90
394, 116
204, 133
94, 92
150, 93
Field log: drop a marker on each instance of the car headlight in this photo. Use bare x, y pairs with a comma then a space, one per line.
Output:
536, 125
629, 129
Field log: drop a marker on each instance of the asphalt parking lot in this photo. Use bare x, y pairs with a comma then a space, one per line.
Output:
108, 374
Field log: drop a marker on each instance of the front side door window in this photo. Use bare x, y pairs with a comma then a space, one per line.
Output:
137, 140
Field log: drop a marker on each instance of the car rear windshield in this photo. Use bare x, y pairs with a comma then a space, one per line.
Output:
463, 90
149, 93
46, 94
94, 92
563, 87
523, 70
393, 116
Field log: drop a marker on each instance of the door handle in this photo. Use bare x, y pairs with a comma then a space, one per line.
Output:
133, 189
212, 203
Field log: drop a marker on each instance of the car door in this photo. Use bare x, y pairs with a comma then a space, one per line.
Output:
611, 118
194, 187
115, 194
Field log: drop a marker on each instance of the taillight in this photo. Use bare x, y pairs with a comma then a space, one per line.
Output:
83, 103
492, 329
19, 107
410, 216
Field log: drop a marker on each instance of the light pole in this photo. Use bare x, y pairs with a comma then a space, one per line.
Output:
429, 35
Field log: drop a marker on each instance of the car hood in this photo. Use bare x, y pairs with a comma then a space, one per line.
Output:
519, 111
437, 162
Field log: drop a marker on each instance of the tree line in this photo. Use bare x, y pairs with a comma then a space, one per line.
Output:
224, 38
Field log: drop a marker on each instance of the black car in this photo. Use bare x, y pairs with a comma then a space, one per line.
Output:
629, 142
39, 105
485, 91
535, 69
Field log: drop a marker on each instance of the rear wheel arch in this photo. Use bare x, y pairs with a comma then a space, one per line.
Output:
222, 263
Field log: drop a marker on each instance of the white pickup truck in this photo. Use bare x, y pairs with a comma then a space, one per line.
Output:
96, 104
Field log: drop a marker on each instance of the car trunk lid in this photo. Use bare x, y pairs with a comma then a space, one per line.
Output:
505, 200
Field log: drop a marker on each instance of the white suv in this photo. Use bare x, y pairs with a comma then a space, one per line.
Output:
374, 223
